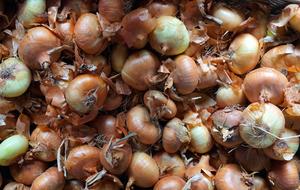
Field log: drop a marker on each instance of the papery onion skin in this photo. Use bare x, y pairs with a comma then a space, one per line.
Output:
244, 53
295, 21
143, 170
170, 183
112, 10
12, 148
86, 92
51, 179
27, 171
284, 175
30, 10
170, 36
138, 121
88, 34
270, 90
201, 140
207, 77
229, 96
34, 46
185, 75
83, 161
143, 61
284, 149
15, 77
258, 118
229, 177
158, 9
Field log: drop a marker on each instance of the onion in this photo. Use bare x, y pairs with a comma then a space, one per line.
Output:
106, 126
244, 53
261, 122
78, 6
66, 30
15, 186
143, 61
119, 55
164, 8
108, 182
201, 140
96, 64
30, 12
51, 179
170, 36
73, 185
12, 148
259, 183
284, 148
143, 171
112, 10
295, 20
270, 90
113, 101
169, 164
86, 93
15, 77
229, 96
170, 183
207, 76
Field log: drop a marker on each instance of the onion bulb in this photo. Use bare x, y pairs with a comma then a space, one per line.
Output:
112, 10
170, 36
164, 8
73, 185
169, 183
15, 77
201, 140
51, 179
244, 53
260, 123
30, 12
229, 96
295, 21
118, 57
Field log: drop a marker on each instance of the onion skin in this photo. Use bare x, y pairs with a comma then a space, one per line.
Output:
143, 61
143, 170
158, 9
138, 121
265, 116
185, 75
83, 161
170, 36
284, 175
15, 186
229, 177
66, 30
15, 78
51, 179
245, 53
30, 10
12, 148
112, 10
86, 92
28, 171
88, 34
34, 46
170, 183
271, 90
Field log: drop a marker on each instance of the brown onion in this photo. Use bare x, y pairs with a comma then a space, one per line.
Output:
294, 21
108, 182
78, 6
26, 172
34, 47
270, 90
259, 183
284, 175
169, 164
95, 64
83, 161
207, 76
113, 101
138, 121
15, 186
112, 10
136, 26
31, 12
51, 179
201, 140
229, 96
88, 34
119, 54
43, 148
66, 30
106, 126
169, 183
73, 185
143, 170
143, 61
86, 92
164, 8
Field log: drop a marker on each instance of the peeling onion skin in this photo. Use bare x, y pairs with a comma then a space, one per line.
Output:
170, 183
34, 46
263, 116
244, 53
51, 179
284, 175
270, 90
170, 36
86, 92
15, 78
88, 34
83, 161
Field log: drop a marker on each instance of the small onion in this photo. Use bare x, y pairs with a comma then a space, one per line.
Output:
12, 148
106, 126
259, 183
88, 34
119, 54
284, 175
170, 183
138, 121
165, 8
108, 182
15, 186
229, 96
259, 122
201, 140
170, 36
86, 92
143, 61
78, 6
143, 170
284, 149
270, 90
73, 185
113, 101
244, 53
51, 179
83, 161
66, 30
295, 20
30, 11
96, 64
169, 164
112, 10
15, 78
